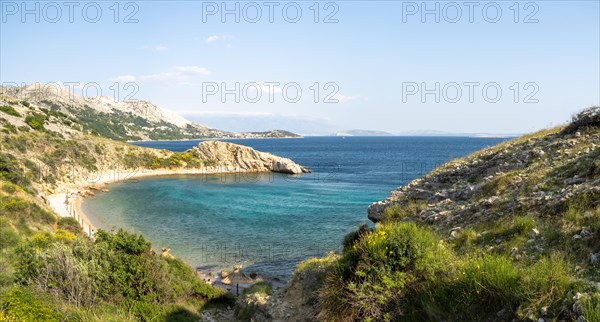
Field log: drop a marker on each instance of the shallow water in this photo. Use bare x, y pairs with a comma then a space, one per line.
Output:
270, 222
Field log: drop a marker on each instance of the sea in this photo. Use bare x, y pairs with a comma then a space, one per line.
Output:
268, 223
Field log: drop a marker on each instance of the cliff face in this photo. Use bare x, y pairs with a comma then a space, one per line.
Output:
541, 174
244, 158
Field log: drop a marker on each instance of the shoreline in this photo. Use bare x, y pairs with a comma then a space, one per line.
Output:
78, 190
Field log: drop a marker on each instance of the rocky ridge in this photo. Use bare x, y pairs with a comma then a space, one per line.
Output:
243, 158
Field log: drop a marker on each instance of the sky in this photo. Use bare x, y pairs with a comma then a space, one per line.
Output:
319, 67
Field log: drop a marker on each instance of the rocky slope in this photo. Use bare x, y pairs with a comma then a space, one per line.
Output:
68, 113
538, 174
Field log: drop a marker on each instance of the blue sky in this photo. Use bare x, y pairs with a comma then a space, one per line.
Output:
376, 59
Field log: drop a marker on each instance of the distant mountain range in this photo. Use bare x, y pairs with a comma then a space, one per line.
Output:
65, 112
357, 132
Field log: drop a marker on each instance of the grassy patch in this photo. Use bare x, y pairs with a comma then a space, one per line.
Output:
261, 288
399, 212
9, 110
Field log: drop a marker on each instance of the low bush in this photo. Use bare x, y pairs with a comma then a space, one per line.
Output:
9, 110
23, 304
398, 212
262, 288
591, 308
69, 224
9, 128
35, 121
118, 268
373, 278
18, 208
587, 118
354, 236
10, 170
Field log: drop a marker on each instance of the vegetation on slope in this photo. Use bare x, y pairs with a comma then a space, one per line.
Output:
510, 232
22, 108
50, 271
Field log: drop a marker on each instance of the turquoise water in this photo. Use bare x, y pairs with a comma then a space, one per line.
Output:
270, 222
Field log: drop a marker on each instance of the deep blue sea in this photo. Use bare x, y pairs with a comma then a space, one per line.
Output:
270, 222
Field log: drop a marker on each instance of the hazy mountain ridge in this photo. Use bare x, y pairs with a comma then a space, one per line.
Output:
67, 113
359, 132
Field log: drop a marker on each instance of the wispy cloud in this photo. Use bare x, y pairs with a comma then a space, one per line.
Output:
178, 74
125, 78
215, 38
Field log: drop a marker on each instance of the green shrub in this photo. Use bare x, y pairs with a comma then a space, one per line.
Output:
9, 110
591, 308
22, 304
546, 283
404, 272
523, 224
185, 281
587, 118
489, 282
117, 268
17, 207
69, 224
35, 121
9, 187
397, 212
373, 278
101, 313
354, 236
262, 288
11, 171
466, 238
8, 237
9, 128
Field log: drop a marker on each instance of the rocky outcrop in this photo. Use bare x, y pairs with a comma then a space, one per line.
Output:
243, 158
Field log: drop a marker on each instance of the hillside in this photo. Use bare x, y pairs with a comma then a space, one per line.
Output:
50, 270
509, 233
65, 112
